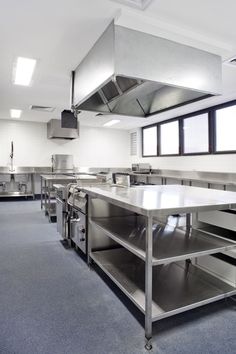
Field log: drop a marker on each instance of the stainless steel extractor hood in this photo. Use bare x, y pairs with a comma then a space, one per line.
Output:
137, 74
55, 131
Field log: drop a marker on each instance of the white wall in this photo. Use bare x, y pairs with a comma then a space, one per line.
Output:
96, 147
216, 163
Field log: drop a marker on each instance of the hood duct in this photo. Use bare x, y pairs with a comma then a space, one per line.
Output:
132, 73
55, 131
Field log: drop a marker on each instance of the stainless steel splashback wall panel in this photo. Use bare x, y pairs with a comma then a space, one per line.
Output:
16, 170
61, 162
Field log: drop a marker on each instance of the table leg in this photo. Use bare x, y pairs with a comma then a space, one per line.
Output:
41, 191
33, 184
188, 221
89, 209
148, 284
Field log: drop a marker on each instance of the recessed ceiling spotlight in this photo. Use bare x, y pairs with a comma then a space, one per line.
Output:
15, 113
139, 4
111, 122
23, 71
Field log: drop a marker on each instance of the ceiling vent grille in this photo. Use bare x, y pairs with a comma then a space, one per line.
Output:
41, 108
133, 143
231, 61
138, 4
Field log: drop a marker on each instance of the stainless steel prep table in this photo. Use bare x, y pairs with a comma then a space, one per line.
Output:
48, 193
153, 267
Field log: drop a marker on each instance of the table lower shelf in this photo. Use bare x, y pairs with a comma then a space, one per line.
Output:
175, 289
15, 194
170, 243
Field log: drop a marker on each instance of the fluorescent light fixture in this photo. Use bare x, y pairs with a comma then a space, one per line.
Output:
15, 113
111, 122
23, 71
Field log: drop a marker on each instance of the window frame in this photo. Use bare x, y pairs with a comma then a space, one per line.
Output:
209, 136
211, 111
146, 127
225, 152
166, 122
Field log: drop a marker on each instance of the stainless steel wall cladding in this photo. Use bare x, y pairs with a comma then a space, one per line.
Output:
62, 163
137, 74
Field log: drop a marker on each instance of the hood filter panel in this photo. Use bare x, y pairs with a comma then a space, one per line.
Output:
117, 87
142, 100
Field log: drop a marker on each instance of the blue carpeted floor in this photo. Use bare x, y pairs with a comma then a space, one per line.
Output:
51, 303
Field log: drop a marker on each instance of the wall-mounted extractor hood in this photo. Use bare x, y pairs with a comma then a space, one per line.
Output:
132, 73
55, 131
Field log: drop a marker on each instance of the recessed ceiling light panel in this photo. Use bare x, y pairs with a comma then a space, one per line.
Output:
15, 113
23, 71
111, 122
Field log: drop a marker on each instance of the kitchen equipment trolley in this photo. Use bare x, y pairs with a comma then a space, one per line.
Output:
153, 261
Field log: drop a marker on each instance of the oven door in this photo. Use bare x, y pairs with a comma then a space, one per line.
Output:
78, 229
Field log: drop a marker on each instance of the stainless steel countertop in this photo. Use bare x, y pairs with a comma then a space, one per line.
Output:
211, 180
48, 170
52, 178
168, 199
221, 178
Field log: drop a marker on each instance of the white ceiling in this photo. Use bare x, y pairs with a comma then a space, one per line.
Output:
59, 33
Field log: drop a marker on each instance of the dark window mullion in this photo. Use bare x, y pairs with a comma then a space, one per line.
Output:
212, 131
158, 140
181, 137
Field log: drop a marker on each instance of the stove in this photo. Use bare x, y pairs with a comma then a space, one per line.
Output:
77, 209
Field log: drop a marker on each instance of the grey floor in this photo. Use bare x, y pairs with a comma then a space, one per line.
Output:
51, 303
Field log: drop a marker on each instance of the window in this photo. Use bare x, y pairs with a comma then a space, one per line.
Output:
196, 134
133, 144
150, 141
208, 131
169, 133
225, 129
